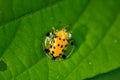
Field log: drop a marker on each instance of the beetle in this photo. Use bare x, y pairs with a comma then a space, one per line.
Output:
56, 44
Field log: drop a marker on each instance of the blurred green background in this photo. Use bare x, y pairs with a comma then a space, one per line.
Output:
95, 26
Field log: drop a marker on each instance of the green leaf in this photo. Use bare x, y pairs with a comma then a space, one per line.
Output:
115, 74
94, 25
14, 9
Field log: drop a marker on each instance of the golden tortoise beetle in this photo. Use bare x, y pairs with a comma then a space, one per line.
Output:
57, 42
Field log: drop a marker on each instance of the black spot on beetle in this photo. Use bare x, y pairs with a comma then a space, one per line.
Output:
58, 44
61, 46
60, 54
66, 45
68, 41
53, 41
50, 46
54, 47
55, 36
63, 50
63, 39
53, 52
59, 38
47, 50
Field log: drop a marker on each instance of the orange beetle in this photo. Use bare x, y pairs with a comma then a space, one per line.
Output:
56, 44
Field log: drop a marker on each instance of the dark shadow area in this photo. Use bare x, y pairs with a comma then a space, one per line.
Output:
3, 66
112, 75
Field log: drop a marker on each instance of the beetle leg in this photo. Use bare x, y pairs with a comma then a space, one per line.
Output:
64, 56
53, 58
47, 50
48, 34
72, 42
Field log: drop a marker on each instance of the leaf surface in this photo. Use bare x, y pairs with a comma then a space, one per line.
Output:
95, 28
